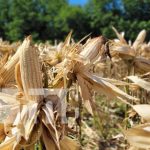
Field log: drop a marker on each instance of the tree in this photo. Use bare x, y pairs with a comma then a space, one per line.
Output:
125, 15
53, 19
4, 7
75, 20
34, 17
137, 9
103, 15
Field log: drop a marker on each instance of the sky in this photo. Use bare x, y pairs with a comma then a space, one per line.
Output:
78, 2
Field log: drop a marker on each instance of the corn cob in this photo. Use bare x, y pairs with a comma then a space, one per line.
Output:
4, 59
7, 71
30, 73
92, 49
140, 39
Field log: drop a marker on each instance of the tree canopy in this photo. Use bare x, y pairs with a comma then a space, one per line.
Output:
53, 19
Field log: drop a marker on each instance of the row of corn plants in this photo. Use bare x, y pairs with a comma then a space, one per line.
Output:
45, 90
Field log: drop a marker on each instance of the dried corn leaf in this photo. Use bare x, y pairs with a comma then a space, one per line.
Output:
6, 99
124, 51
101, 84
26, 119
140, 82
31, 120
69, 144
143, 110
6, 48
117, 82
2, 132
18, 77
120, 37
34, 137
48, 122
48, 142
68, 39
8, 144
10, 118
85, 92
139, 136
133, 148
142, 65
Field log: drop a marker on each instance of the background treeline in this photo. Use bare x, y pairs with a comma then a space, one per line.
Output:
53, 19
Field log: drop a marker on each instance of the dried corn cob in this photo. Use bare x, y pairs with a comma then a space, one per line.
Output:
4, 59
140, 39
30, 73
7, 71
92, 49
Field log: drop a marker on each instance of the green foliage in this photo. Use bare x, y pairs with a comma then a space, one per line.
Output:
137, 9
131, 17
75, 20
4, 6
53, 19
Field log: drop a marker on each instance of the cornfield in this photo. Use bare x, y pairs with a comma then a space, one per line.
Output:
51, 94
